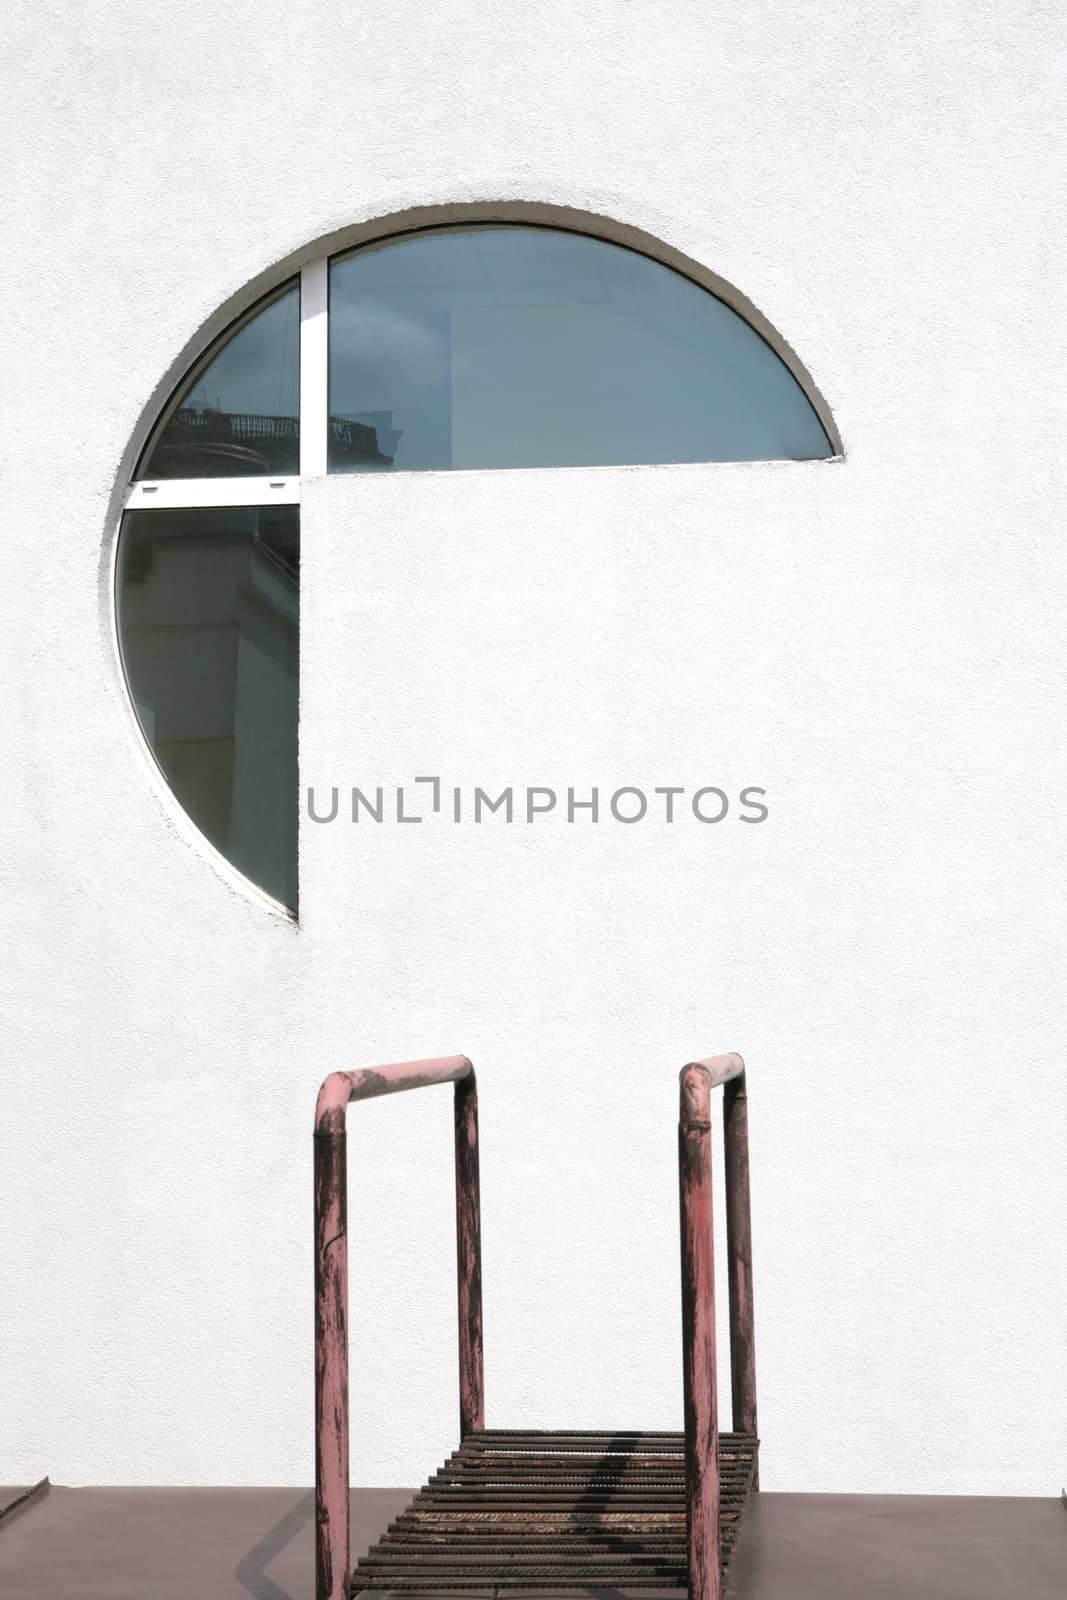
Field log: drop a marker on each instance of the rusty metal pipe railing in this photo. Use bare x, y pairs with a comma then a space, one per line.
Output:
698, 1301
332, 1550
739, 1258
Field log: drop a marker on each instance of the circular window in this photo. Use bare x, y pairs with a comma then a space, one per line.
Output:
461, 347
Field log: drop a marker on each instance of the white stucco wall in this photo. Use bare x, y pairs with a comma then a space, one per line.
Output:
877, 641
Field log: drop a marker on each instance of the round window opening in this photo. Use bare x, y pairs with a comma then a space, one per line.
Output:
468, 347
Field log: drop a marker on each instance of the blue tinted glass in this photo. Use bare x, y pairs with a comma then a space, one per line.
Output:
529, 347
208, 614
240, 415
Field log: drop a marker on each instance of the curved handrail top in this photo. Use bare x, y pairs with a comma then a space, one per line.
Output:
341, 1087
698, 1078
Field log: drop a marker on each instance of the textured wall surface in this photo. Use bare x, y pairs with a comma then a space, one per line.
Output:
877, 641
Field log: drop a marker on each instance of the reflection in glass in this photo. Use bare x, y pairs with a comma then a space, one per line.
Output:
240, 415
503, 346
208, 613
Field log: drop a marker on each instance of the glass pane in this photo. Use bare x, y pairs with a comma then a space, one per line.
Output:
208, 612
529, 347
240, 416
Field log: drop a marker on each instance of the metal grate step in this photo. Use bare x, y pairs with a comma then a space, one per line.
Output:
537, 1511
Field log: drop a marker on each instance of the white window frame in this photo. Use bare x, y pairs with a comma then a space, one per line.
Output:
314, 369
148, 494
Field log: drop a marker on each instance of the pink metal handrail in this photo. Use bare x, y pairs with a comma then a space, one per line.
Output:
332, 1551
698, 1300
698, 1079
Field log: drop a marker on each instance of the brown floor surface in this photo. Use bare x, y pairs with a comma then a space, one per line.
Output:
232, 1544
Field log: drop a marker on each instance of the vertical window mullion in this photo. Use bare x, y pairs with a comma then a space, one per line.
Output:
314, 386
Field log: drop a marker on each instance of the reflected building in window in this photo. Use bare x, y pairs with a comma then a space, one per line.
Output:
209, 608
208, 443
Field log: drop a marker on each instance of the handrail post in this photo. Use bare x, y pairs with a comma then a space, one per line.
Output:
739, 1256
698, 1336
332, 1538
469, 1259
331, 1365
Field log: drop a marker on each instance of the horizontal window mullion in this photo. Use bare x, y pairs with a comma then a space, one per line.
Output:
181, 492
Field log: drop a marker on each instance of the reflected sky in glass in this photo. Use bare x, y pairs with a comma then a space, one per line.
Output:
240, 416
531, 347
